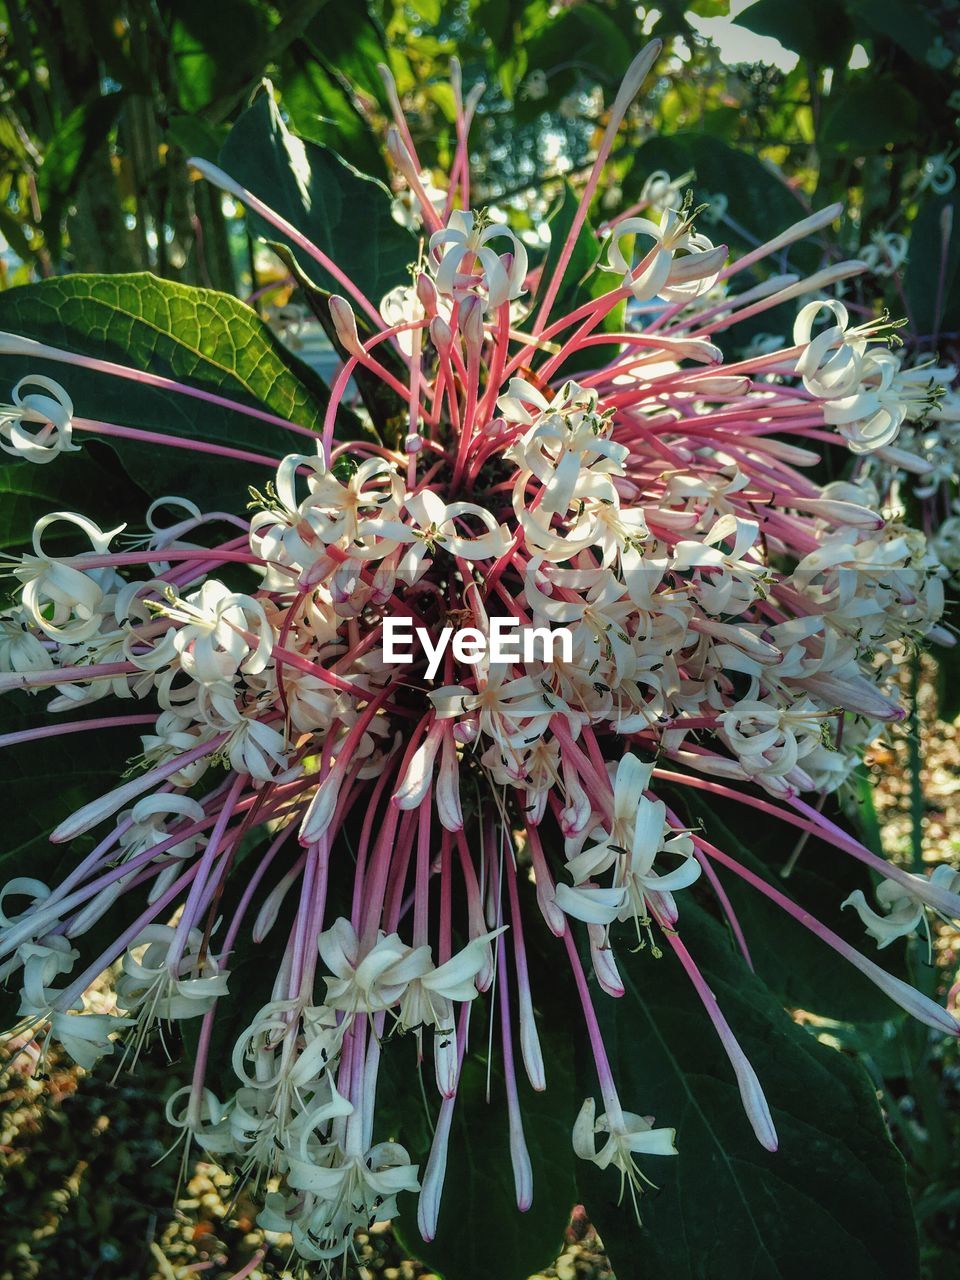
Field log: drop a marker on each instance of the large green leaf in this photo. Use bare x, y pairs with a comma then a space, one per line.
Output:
343, 213
870, 113
816, 29
28, 491
205, 339
832, 1201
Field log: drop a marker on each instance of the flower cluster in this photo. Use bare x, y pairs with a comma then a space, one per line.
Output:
733, 621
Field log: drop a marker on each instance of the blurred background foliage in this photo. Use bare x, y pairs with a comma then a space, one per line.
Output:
797, 105
791, 106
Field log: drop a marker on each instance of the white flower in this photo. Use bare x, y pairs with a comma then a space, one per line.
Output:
210, 641
64, 602
830, 363
668, 276
886, 252
147, 986
338, 1195
371, 981
638, 832
467, 262
20, 648
51, 414
405, 207
769, 739
629, 1136
872, 416
86, 1036
902, 910
661, 192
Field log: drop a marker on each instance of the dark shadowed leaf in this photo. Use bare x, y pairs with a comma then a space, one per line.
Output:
832, 1201
479, 1219
872, 113
816, 29
342, 212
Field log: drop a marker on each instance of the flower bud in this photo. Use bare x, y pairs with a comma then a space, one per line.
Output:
345, 323
400, 156
427, 294
440, 335
471, 322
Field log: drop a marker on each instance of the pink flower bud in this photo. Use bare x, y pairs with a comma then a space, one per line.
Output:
471, 322
441, 335
427, 294
345, 323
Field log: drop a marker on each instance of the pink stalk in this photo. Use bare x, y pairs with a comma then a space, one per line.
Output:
751, 1092
190, 914
608, 1090
173, 442
529, 1039
431, 1189
726, 906
422, 892
251, 887
369, 817
12, 345
120, 559
941, 900
519, 1155
65, 675
634, 78
68, 997
225, 183
919, 1006
71, 726
90, 815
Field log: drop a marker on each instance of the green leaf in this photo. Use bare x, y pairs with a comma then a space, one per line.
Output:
205, 339
832, 1201
932, 255
211, 47
582, 43
78, 137
28, 491
910, 25
870, 113
321, 110
481, 1232
948, 682
817, 29
343, 213
816, 978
